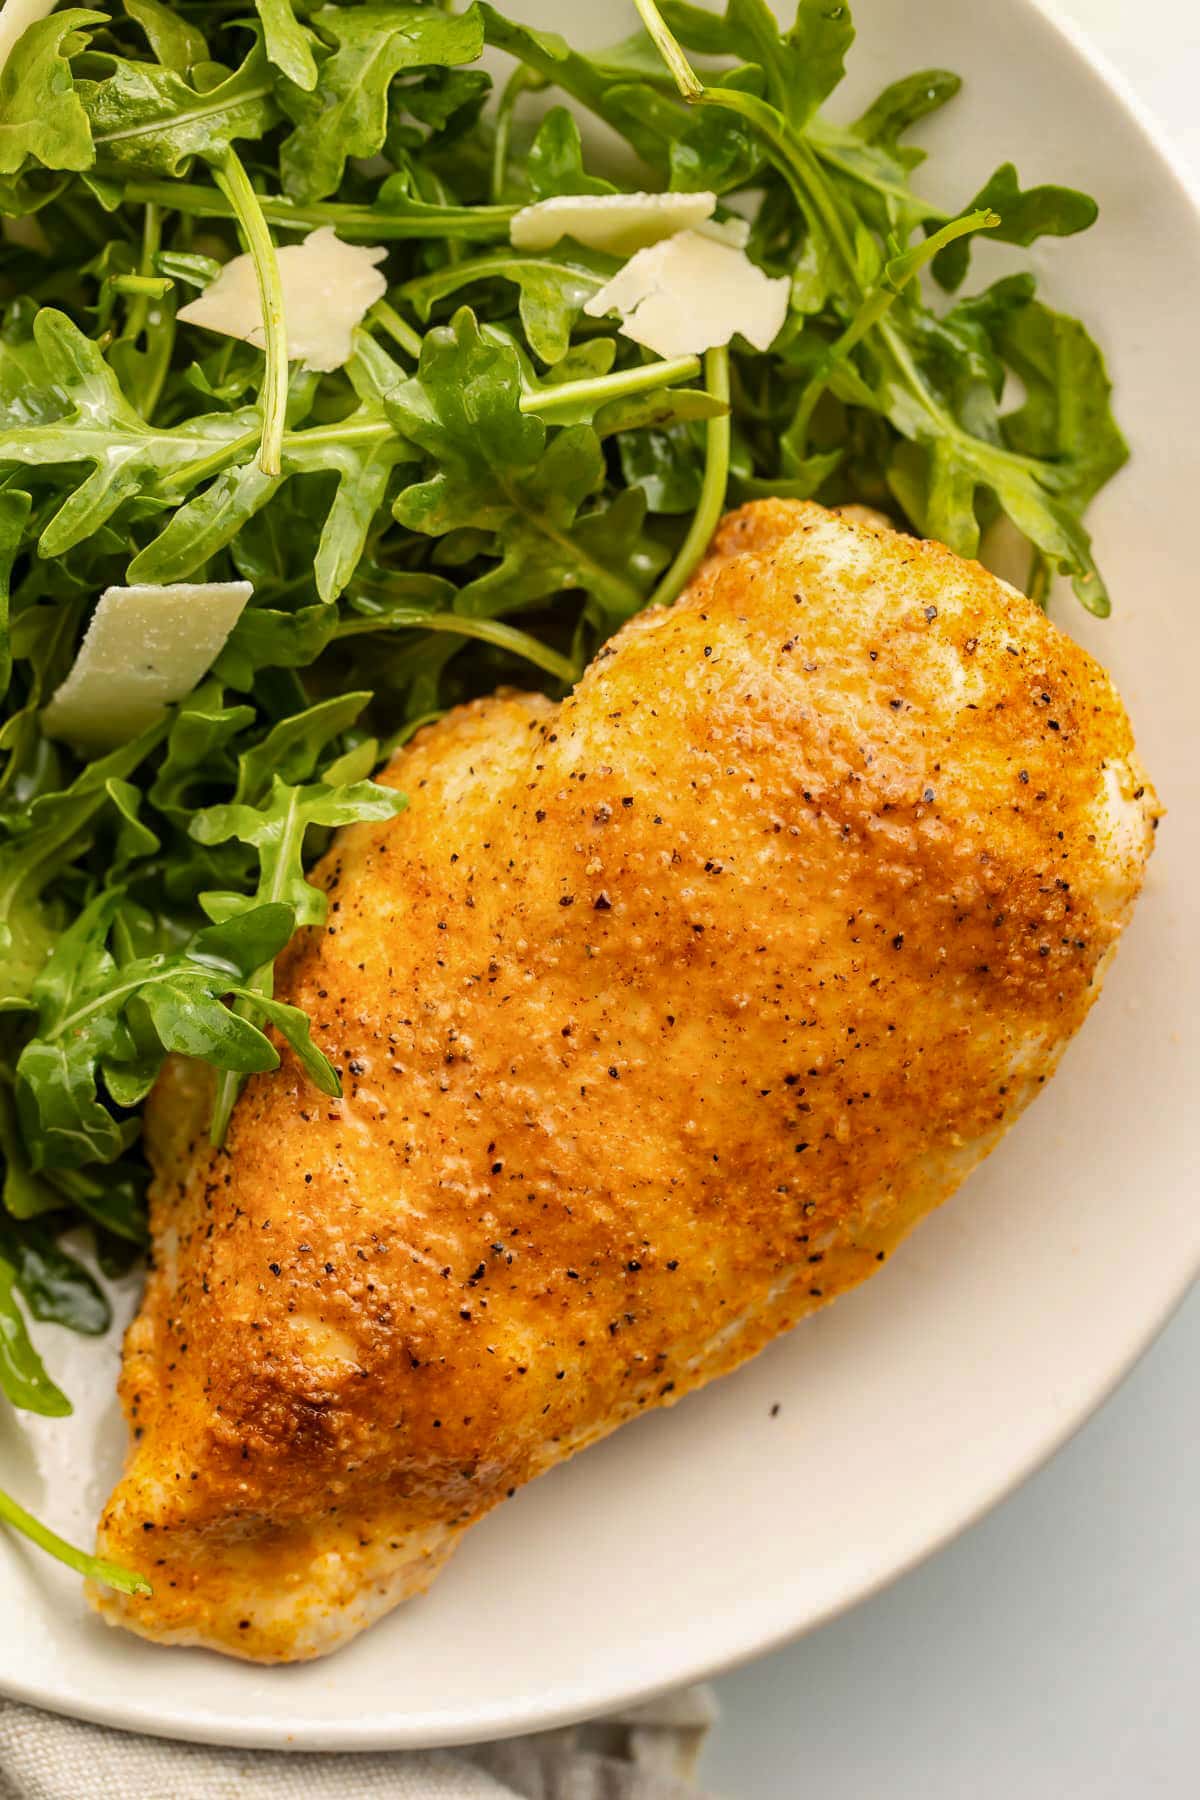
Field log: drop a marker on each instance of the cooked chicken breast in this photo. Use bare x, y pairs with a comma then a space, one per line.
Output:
663, 1015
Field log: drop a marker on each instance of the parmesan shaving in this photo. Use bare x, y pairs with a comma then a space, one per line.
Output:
616, 223
620, 224
691, 293
327, 286
144, 648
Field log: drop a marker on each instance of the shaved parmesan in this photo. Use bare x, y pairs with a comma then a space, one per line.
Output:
616, 223
16, 16
734, 231
691, 293
144, 648
328, 286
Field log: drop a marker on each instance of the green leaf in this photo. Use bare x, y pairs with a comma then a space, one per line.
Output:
904, 104
192, 1022
44, 838
288, 44
175, 42
802, 65
293, 1025
449, 101
98, 425
714, 149
267, 638
1066, 418
555, 161
134, 837
361, 450
497, 469
346, 114
462, 408
41, 118
292, 749
150, 120
205, 524
57, 1289
14, 512
628, 107
83, 997
1025, 215
23, 1377
25, 1195
276, 829
554, 289
113, 1200
196, 754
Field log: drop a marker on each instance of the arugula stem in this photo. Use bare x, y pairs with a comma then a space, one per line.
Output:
188, 474
717, 441
896, 277
234, 182
522, 80
366, 222
135, 324
398, 329
93, 1568
487, 631
669, 48
891, 190
601, 388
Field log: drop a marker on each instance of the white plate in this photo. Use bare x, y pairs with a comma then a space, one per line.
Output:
702, 1536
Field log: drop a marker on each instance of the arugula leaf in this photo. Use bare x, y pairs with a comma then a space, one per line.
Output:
361, 450
14, 511
888, 373
346, 113
554, 289
555, 161
629, 107
98, 425
41, 117
83, 997
25, 1195
23, 1377
287, 43
802, 65
276, 830
174, 40
43, 837
1025, 215
56, 1288
113, 1201
291, 750
150, 120
498, 470
903, 104
1066, 418
448, 101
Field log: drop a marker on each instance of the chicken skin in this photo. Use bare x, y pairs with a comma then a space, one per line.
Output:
662, 1015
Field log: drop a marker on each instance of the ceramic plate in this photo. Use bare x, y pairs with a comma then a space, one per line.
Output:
708, 1534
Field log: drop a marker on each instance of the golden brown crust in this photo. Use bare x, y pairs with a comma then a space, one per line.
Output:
662, 1016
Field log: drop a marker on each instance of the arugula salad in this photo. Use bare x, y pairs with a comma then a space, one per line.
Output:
340, 384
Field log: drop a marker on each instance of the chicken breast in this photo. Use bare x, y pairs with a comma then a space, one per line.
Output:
662, 1015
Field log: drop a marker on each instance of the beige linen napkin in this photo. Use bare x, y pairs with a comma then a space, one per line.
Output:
645, 1754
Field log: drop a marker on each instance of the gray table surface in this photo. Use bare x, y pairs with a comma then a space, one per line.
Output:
1073, 1673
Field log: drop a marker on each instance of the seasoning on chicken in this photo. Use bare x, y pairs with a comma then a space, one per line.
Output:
663, 1014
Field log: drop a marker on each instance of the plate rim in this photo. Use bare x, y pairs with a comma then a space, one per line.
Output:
464, 1725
